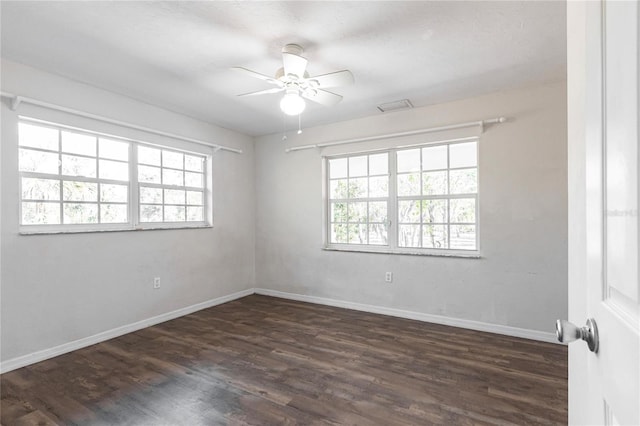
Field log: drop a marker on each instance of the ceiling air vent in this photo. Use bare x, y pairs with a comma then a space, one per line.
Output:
395, 105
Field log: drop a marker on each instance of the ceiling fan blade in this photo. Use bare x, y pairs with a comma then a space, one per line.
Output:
258, 75
334, 79
264, 92
322, 97
294, 64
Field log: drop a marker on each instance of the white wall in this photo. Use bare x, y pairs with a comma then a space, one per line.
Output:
521, 279
60, 288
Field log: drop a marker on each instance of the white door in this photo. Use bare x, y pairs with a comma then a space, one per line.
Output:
603, 85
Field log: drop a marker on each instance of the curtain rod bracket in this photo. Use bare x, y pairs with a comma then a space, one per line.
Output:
15, 103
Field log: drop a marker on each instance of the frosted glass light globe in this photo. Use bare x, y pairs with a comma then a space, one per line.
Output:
292, 104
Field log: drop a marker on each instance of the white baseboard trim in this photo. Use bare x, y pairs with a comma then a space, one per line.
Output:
24, 360
437, 319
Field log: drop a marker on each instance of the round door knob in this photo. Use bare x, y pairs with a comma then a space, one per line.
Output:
568, 332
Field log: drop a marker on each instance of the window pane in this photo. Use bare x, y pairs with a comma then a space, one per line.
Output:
148, 155
339, 233
174, 196
378, 211
38, 161
358, 166
193, 163
338, 168
172, 159
114, 193
379, 164
115, 150
150, 195
409, 211
195, 198
378, 234
408, 160
463, 181
409, 235
114, 170
77, 143
79, 191
358, 188
434, 236
40, 213
463, 210
357, 212
40, 189
434, 183
37, 136
195, 214
434, 157
149, 174
80, 213
434, 211
172, 177
338, 189
150, 213
174, 214
379, 186
193, 179
357, 234
78, 166
113, 213
463, 155
463, 237
338, 212
409, 184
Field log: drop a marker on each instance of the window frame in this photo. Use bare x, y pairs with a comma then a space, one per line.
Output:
368, 199
164, 186
393, 230
133, 198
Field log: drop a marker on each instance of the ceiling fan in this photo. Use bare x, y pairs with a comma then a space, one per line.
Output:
295, 82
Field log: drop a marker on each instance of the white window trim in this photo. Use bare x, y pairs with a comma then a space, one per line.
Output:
134, 223
392, 211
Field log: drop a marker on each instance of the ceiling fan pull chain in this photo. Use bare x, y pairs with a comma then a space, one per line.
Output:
299, 125
284, 127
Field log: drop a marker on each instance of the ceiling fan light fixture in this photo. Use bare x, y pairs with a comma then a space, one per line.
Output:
292, 103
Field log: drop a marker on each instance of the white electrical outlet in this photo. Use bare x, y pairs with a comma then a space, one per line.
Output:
156, 282
388, 277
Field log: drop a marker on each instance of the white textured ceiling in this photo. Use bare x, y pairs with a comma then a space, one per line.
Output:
178, 55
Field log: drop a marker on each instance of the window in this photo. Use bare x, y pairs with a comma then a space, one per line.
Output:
419, 199
73, 180
359, 192
171, 185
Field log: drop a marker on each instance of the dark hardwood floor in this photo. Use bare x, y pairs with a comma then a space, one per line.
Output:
262, 360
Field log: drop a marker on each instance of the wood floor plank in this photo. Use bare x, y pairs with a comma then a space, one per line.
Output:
267, 361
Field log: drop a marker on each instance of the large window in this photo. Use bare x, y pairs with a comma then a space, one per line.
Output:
418, 199
74, 180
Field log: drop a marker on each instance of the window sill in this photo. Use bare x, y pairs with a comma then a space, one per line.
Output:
27, 232
457, 254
